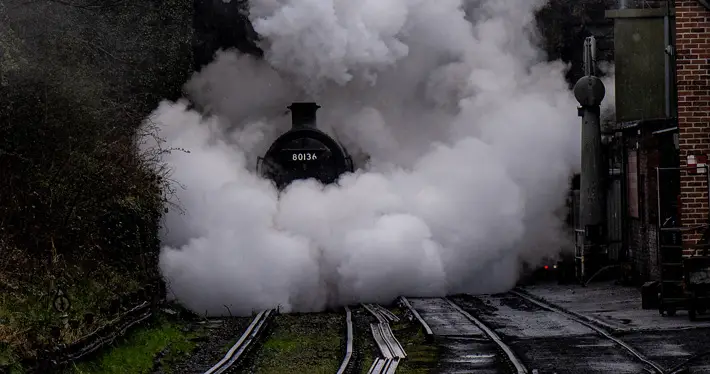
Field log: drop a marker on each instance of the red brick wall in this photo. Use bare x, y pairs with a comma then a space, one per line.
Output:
642, 230
693, 79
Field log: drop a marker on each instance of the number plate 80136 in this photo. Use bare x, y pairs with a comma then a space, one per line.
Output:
303, 155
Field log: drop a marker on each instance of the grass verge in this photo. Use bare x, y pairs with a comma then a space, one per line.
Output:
303, 343
28, 319
166, 338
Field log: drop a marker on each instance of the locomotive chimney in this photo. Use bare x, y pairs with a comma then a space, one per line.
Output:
303, 114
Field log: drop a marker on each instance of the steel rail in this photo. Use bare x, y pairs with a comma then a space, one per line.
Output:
392, 351
597, 329
242, 344
519, 367
349, 344
408, 305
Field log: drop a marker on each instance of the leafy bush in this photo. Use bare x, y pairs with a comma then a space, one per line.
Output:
79, 205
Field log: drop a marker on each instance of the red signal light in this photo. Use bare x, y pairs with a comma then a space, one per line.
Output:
546, 267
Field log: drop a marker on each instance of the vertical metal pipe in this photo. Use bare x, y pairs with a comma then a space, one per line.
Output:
592, 184
592, 56
590, 91
587, 58
658, 200
667, 43
624, 199
659, 218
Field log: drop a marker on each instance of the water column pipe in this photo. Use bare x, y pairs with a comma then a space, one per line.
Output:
589, 92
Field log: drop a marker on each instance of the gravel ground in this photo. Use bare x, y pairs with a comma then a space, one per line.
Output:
210, 349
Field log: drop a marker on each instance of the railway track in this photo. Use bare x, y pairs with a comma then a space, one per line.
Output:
471, 343
652, 367
512, 359
349, 341
257, 325
245, 341
390, 348
473, 347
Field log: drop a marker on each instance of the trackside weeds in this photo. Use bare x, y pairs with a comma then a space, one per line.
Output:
175, 341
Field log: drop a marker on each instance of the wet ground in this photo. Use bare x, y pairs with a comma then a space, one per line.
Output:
671, 348
547, 341
668, 341
616, 307
466, 355
465, 347
444, 320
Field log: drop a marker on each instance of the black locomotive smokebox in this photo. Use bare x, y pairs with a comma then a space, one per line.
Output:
649, 295
304, 152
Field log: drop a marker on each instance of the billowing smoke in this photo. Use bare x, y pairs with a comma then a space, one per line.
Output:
464, 135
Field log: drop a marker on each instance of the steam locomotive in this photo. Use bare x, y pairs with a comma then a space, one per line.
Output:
304, 152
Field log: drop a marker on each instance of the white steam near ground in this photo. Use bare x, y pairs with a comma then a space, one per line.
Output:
464, 139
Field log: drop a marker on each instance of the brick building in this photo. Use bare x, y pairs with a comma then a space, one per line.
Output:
662, 118
693, 87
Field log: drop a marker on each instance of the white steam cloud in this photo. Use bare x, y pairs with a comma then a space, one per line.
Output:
464, 137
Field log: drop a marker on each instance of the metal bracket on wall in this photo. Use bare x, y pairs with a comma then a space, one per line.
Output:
670, 50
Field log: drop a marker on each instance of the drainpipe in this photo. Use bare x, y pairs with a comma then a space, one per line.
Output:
669, 62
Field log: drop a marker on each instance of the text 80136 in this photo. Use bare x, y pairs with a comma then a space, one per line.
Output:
304, 157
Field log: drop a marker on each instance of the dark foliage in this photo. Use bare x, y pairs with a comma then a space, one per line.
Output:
78, 79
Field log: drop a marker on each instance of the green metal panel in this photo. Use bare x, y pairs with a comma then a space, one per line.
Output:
639, 58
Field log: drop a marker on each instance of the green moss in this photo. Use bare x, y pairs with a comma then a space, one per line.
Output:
421, 356
137, 351
303, 343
